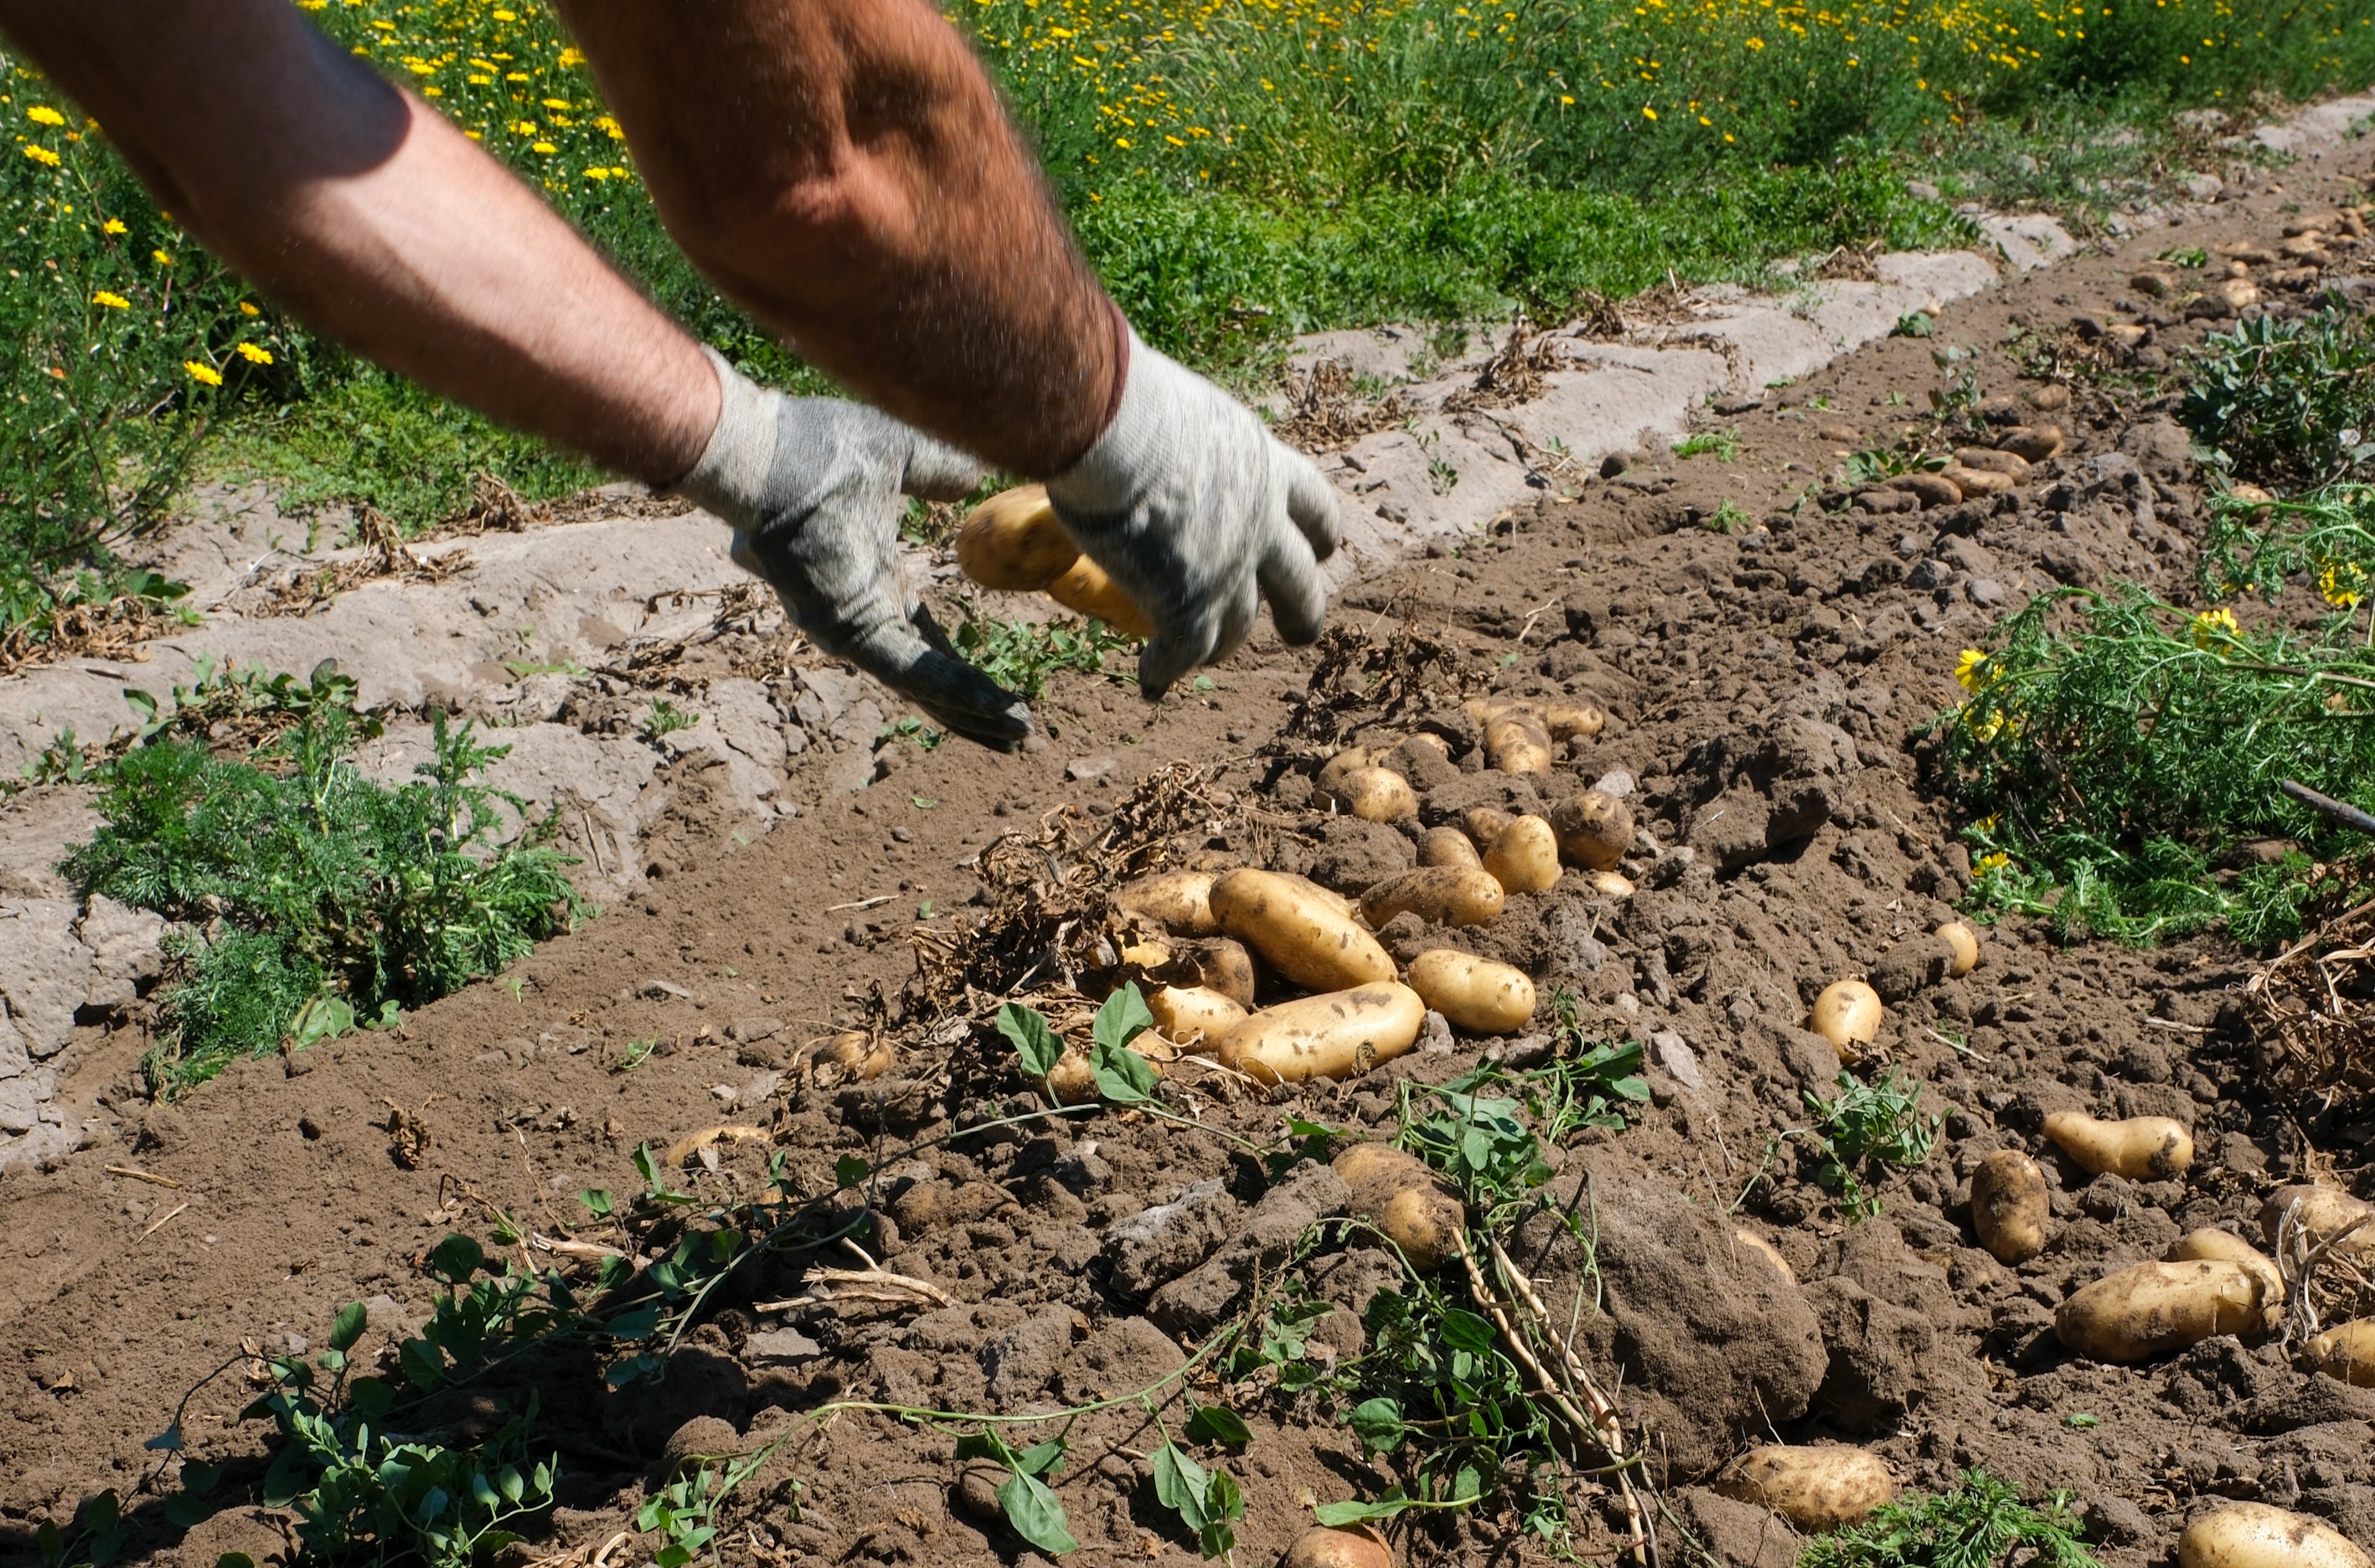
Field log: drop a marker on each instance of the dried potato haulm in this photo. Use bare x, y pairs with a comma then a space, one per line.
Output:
1396, 1192
1302, 930
2150, 1309
1475, 995
2148, 1148
1817, 1488
1335, 1035
1440, 895
2010, 1204
2253, 1534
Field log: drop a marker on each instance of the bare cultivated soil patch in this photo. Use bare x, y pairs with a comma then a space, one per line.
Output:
1769, 691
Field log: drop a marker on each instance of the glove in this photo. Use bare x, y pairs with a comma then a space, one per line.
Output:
812, 486
1197, 511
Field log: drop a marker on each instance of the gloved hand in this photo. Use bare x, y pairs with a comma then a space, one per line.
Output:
1195, 508
812, 486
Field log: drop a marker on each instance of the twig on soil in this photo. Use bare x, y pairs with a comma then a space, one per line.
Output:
158, 1223
2298, 1263
861, 903
142, 1175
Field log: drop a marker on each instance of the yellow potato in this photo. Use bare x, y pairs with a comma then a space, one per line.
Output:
1516, 743
1433, 742
1085, 587
1484, 710
2253, 1534
1766, 1251
1322, 1546
1397, 1193
1188, 1015
2324, 1213
1375, 795
1815, 1488
1609, 884
1572, 721
1179, 901
853, 1056
1332, 771
1848, 1014
1485, 823
1449, 846
2228, 1247
1974, 482
2010, 1204
2149, 1309
1475, 995
2347, 1351
1440, 895
1224, 966
1012, 541
1335, 1035
1594, 829
1148, 955
1303, 931
2148, 1148
1964, 943
1525, 858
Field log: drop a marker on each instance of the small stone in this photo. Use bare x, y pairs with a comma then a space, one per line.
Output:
779, 1345
1435, 1035
665, 990
1080, 769
1615, 782
1675, 1055
975, 1495
1846, 435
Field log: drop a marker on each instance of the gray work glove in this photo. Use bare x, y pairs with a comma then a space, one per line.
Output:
812, 486
1196, 511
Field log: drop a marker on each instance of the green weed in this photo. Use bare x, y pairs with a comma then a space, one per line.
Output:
1861, 1125
1979, 1524
1728, 517
2287, 402
1723, 444
296, 877
1020, 654
666, 718
2325, 538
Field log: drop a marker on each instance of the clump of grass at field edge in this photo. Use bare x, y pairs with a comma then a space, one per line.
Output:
308, 896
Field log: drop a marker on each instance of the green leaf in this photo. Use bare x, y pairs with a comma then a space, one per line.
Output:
1038, 1045
167, 1441
234, 1560
1035, 1513
456, 1259
851, 1169
1123, 1076
1041, 1459
1335, 1515
1180, 1485
1378, 1425
599, 1202
1214, 1423
184, 1512
198, 1480
1123, 1017
349, 1327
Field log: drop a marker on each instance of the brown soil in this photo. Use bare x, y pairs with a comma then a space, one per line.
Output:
1769, 692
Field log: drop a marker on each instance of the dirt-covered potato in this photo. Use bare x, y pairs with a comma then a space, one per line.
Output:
2150, 1309
1847, 1014
1440, 895
2143, 1149
1516, 743
1594, 829
2324, 1213
1572, 721
1964, 943
1485, 823
2010, 1204
1224, 966
1449, 846
1085, 587
1359, 1547
851, 1057
2228, 1247
1300, 929
1397, 1193
1375, 794
1332, 771
1475, 995
1816, 1487
1609, 884
1525, 858
2347, 1351
1189, 1016
1335, 1035
1179, 901
2253, 1534
1013, 542
1766, 1251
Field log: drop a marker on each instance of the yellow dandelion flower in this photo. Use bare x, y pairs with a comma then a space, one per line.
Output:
112, 300
543, 147
2211, 625
203, 373
161, 258
1970, 669
114, 226
572, 57
1995, 861
1647, 113
42, 114
2342, 584
41, 155
255, 354
246, 309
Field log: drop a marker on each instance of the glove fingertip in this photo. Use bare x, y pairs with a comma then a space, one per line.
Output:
1311, 502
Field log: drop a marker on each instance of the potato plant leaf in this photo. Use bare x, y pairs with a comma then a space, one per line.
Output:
1039, 1046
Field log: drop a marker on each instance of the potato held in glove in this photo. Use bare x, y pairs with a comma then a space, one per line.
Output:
1013, 542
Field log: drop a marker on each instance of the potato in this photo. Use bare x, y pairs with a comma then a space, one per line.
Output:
1449, 846
1594, 829
2253, 1534
1473, 995
1012, 541
1322, 1546
1817, 1487
1485, 823
1964, 943
2009, 1206
1572, 721
853, 1056
1848, 1014
1179, 901
1433, 742
2143, 1149
1398, 1194
1332, 771
1148, 955
1224, 966
1484, 710
1303, 931
1609, 884
1525, 859
1516, 743
1440, 895
1334, 1035
1085, 587
1190, 1015
1766, 1251
2228, 1247
2325, 1212
1375, 795
1976, 482
2347, 1351
2149, 1309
